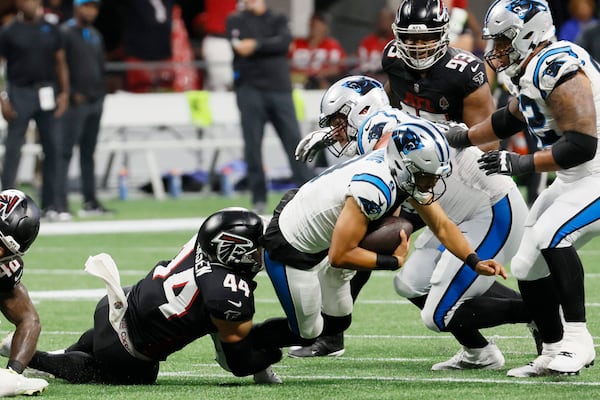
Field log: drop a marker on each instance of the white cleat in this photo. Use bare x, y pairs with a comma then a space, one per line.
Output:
488, 357
576, 351
539, 366
6, 344
267, 377
13, 384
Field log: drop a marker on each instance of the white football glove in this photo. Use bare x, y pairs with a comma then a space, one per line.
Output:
311, 144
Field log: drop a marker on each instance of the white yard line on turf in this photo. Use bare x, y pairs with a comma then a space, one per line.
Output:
127, 226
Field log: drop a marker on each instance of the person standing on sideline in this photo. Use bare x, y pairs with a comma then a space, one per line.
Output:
262, 83
81, 123
558, 96
38, 89
19, 226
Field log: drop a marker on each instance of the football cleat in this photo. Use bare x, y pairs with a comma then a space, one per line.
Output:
324, 346
539, 366
267, 377
13, 384
488, 357
576, 351
6, 344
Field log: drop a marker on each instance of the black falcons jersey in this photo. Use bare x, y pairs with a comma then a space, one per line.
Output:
439, 94
173, 304
10, 274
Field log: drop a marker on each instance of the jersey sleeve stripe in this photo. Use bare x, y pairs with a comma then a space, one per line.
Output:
540, 62
378, 183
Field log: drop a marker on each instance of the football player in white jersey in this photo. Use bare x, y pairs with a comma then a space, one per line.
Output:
329, 216
487, 209
557, 100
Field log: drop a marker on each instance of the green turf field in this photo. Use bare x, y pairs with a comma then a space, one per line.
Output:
388, 350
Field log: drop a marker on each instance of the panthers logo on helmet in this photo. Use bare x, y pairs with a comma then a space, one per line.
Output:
230, 248
9, 200
526, 9
407, 141
363, 86
376, 131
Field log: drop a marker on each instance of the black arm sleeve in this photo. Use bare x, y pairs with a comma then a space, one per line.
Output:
574, 148
244, 359
505, 124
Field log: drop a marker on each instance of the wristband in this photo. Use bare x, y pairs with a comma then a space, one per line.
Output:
16, 366
387, 262
472, 260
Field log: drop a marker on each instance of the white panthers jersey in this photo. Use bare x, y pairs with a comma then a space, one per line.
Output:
468, 188
307, 221
543, 73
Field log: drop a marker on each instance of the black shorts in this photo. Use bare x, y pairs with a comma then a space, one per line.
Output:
280, 250
119, 367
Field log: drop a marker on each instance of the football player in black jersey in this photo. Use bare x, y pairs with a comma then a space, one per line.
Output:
19, 226
206, 289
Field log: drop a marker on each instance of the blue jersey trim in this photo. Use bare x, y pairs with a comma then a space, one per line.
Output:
494, 240
378, 183
589, 215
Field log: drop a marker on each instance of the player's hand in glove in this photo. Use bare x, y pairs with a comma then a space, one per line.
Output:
506, 163
458, 135
312, 143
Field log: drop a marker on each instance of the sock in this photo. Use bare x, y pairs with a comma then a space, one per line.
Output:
541, 300
75, 366
487, 312
501, 291
334, 325
357, 282
566, 271
275, 332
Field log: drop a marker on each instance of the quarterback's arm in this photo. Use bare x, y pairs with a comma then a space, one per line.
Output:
453, 239
242, 357
18, 308
350, 228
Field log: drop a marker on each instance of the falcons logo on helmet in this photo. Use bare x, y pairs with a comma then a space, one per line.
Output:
9, 200
230, 248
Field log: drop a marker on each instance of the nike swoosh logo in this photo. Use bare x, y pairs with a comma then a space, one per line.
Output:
475, 68
235, 303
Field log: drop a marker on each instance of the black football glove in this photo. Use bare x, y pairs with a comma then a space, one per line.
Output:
506, 163
458, 136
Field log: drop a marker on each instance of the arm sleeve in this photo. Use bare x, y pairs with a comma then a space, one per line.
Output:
244, 359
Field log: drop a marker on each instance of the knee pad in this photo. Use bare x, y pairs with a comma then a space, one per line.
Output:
406, 290
428, 320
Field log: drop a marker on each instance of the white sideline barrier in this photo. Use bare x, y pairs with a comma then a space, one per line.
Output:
131, 123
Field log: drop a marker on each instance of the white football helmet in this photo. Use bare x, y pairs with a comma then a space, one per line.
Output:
524, 23
355, 98
418, 156
421, 20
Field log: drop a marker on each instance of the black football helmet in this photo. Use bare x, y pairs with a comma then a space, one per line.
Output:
421, 32
19, 222
233, 238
